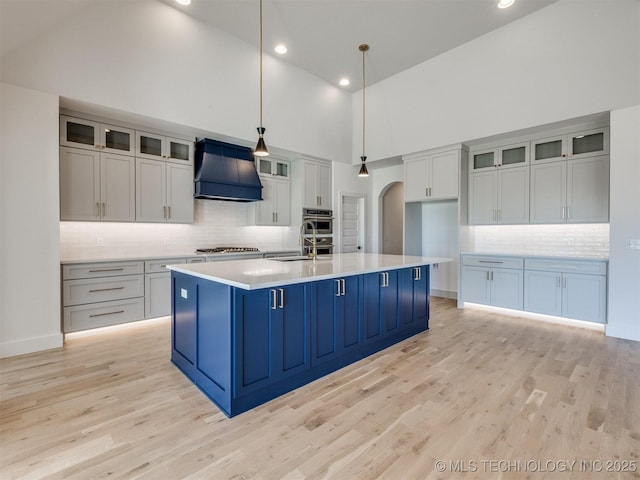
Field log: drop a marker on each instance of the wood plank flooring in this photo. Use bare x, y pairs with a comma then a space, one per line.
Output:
490, 396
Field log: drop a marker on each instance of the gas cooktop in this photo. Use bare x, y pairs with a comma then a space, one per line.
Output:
226, 250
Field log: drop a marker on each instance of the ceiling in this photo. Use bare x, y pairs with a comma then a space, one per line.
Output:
322, 35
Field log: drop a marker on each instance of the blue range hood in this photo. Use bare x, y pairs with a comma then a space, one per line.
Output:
224, 171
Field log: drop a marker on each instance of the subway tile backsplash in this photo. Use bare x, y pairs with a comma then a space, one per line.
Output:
582, 240
216, 223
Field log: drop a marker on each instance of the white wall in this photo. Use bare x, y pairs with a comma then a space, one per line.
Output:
569, 59
624, 263
29, 249
153, 60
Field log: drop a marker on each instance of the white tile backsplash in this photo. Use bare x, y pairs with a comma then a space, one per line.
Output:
582, 240
216, 223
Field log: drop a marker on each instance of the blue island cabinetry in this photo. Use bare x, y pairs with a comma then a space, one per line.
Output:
245, 347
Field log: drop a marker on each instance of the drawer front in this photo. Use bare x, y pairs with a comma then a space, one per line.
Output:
493, 262
566, 266
101, 269
160, 265
80, 292
83, 317
198, 259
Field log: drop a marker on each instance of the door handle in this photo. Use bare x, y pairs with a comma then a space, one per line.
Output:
169, 211
98, 209
104, 209
281, 297
343, 286
338, 285
568, 212
164, 210
273, 299
557, 282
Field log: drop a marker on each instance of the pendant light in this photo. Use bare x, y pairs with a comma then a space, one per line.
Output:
261, 147
363, 168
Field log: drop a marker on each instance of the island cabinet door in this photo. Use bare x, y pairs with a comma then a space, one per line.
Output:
413, 296
380, 305
271, 336
184, 318
335, 317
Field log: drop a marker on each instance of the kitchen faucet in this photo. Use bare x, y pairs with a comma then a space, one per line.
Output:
314, 253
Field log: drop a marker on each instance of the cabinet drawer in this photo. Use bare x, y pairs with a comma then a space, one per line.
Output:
102, 269
79, 292
199, 259
493, 262
160, 265
566, 266
83, 317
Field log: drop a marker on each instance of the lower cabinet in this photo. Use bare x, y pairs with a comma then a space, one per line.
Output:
413, 296
336, 326
380, 304
496, 281
571, 289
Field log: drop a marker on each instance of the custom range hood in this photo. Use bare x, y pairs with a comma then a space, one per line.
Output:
224, 171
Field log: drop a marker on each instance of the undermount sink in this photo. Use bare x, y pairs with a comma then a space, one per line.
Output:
298, 258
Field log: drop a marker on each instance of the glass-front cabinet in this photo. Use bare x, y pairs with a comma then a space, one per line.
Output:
273, 166
483, 159
581, 144
160, 147
87, 134
515, 155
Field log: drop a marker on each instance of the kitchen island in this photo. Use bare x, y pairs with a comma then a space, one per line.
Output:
247, 331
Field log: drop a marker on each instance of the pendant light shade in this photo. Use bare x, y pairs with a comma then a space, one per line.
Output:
261, 147
363, 168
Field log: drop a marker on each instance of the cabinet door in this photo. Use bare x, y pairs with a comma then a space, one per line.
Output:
178, 151
79, 184
324, 327
483, 198
589, 143
543, 292
372, 327
282, 203
415, 180
150, 146
475, 285
482, 160
117, 188
179, 195
157, 294
548, 193
513, 196
324, 186
79, 133
265, 210
584, 297
389, 303
348, 310
507, 288
311, 197
119, 140
151, 190
443, 178
185, 315
513, 155
413, 297
291, 331
549, 149
588, 190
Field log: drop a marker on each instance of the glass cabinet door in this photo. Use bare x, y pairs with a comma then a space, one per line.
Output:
589, 143
179, 150
282, 169
514, 155
149, 145
76, 132
549, 149
483, 159
270, 166
117, 139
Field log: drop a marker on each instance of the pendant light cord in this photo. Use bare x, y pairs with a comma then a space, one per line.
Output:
260, 63
363, 101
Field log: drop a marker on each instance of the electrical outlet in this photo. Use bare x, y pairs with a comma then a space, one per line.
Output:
100, 242
166, 241
633, 244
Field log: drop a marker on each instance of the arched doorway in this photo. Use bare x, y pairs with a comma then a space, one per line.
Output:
392, 213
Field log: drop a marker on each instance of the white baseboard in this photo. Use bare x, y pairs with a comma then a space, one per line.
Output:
444, 294
30, 345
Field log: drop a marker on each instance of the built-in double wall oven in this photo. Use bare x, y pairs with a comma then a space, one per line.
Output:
322, 222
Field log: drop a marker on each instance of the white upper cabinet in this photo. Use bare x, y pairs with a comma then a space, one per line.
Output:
159, 147
571, 191
164, 192
516, 155
580, 144
317, 185
96, 186
87, 134
499, 197
432, 176
275, 208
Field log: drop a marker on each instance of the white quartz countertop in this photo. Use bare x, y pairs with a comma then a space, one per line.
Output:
599, 258
109, 256
264, 273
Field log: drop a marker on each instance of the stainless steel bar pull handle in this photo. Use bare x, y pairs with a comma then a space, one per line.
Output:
104, 209
107, 313
281, 297
338, 285
169, 211
105, 289
97, 209
164, 212
106, 270
273, 299
343, 286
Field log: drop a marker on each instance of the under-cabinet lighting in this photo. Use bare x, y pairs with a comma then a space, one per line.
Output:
505, 3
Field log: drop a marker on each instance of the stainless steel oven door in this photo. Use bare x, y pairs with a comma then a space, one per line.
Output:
323, 226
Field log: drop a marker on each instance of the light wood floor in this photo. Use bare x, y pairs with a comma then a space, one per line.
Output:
478, 389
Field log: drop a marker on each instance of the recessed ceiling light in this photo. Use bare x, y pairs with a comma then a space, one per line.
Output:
344, 82
281, 49
184, 2
505, 3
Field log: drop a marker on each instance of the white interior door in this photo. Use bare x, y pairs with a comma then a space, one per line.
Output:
352, 224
